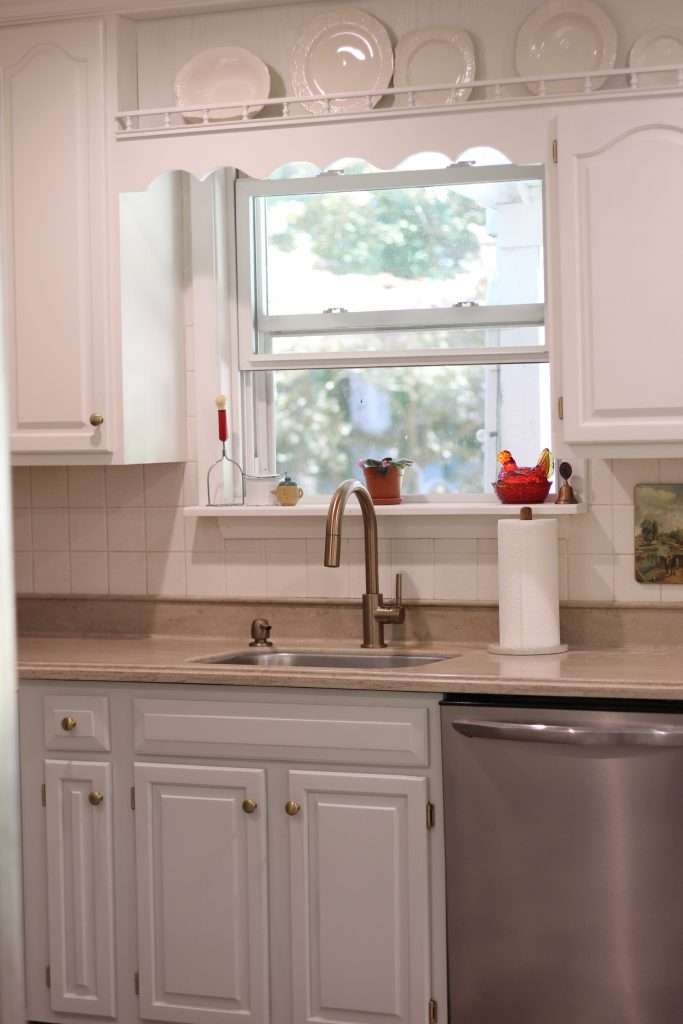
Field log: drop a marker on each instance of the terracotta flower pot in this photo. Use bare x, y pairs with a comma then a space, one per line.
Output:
384, 486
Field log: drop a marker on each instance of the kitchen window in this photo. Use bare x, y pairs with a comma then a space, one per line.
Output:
393, 313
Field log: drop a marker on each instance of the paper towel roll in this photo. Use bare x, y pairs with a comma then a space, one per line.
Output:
528, 587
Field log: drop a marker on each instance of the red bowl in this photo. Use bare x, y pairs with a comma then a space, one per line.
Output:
522, 492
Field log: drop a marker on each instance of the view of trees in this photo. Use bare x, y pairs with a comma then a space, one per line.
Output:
329, 419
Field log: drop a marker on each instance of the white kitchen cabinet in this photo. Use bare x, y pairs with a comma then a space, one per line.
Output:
620, 206
228, 906
80, 887
92, 285
360, 898
202, 893
54, 212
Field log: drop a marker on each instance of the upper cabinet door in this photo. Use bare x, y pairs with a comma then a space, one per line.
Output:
80, 887
359, 898
54, 215
202, 893
620, 195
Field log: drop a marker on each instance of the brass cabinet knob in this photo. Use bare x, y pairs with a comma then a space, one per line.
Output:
96, 420
292, 808
96, 798
249, 806
69, 724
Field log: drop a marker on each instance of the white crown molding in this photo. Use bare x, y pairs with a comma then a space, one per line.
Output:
12, 11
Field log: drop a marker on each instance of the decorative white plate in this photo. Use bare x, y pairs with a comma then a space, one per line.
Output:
225, 74
435, 55
564, 36
653, 48
344, 50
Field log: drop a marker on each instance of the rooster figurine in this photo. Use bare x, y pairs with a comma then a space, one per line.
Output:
526, 485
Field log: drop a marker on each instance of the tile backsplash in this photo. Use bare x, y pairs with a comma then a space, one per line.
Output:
121, 531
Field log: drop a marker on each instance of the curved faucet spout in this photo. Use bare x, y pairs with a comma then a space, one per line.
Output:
333, 528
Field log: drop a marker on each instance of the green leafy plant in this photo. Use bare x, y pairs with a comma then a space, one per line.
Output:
384, 465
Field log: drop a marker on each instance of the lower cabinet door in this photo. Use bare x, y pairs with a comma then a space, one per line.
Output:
78, 808
360, 898
202, 893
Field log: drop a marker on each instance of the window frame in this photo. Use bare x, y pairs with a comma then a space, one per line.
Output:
256, 388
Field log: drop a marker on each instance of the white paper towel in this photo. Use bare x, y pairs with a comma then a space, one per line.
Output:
528, 587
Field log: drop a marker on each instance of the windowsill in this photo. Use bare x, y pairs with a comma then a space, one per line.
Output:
406, 509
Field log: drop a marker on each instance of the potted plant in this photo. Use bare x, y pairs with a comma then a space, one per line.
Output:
383, 479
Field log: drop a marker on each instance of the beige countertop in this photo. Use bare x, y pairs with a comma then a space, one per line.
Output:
627, 672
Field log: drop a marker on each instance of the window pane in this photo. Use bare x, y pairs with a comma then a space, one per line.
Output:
407, 341
420, 247
450, 420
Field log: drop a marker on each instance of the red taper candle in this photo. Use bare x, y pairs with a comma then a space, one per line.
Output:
222, 418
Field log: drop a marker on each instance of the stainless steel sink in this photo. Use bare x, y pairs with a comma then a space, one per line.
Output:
325, 659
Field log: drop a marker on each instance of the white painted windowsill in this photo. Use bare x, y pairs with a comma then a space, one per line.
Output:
406, 509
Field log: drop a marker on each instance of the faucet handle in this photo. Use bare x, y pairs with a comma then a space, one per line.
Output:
398, 599
260, 632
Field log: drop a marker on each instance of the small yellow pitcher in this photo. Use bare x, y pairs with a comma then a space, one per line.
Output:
288, 492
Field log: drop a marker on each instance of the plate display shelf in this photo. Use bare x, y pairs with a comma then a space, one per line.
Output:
507, 113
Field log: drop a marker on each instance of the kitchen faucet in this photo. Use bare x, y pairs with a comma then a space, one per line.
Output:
375, 612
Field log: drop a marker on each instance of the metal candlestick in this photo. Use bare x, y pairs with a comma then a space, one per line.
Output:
219, 462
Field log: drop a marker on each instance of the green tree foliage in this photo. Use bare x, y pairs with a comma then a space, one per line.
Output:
429, 414
410, 233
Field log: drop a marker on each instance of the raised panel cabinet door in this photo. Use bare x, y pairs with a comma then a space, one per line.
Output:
78, 806
360, 898
54, 215
202, 893
620, 205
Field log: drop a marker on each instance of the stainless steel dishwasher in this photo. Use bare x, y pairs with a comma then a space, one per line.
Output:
564, 861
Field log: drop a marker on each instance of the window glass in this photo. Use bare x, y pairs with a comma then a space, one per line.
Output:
451, 420
418, 247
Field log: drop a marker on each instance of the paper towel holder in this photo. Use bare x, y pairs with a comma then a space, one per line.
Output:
526, 514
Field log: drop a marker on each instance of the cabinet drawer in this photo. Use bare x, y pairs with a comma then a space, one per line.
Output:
333, 733
76, 723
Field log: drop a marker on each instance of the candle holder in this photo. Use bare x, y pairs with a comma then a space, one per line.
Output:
211, 472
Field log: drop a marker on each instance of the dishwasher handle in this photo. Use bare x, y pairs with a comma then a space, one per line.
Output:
576, 735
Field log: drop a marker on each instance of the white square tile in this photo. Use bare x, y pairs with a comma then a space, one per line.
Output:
50, 529
51, 572
600, 481
190, 485
86, 487
21, 526
591, 534
48, 487
671, 593
23, 572
206, 575
21, 487
166, 574
203, 535
624, 530
165, 529
126, 529
591, 577
415, 559
127, 572
245, 568
563, 569
487, 570
627, 473
88, 530
286, 568
455, 570
124, 486
671, 471
190, 394
89, 572
626, 587
322, 580
164, 485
